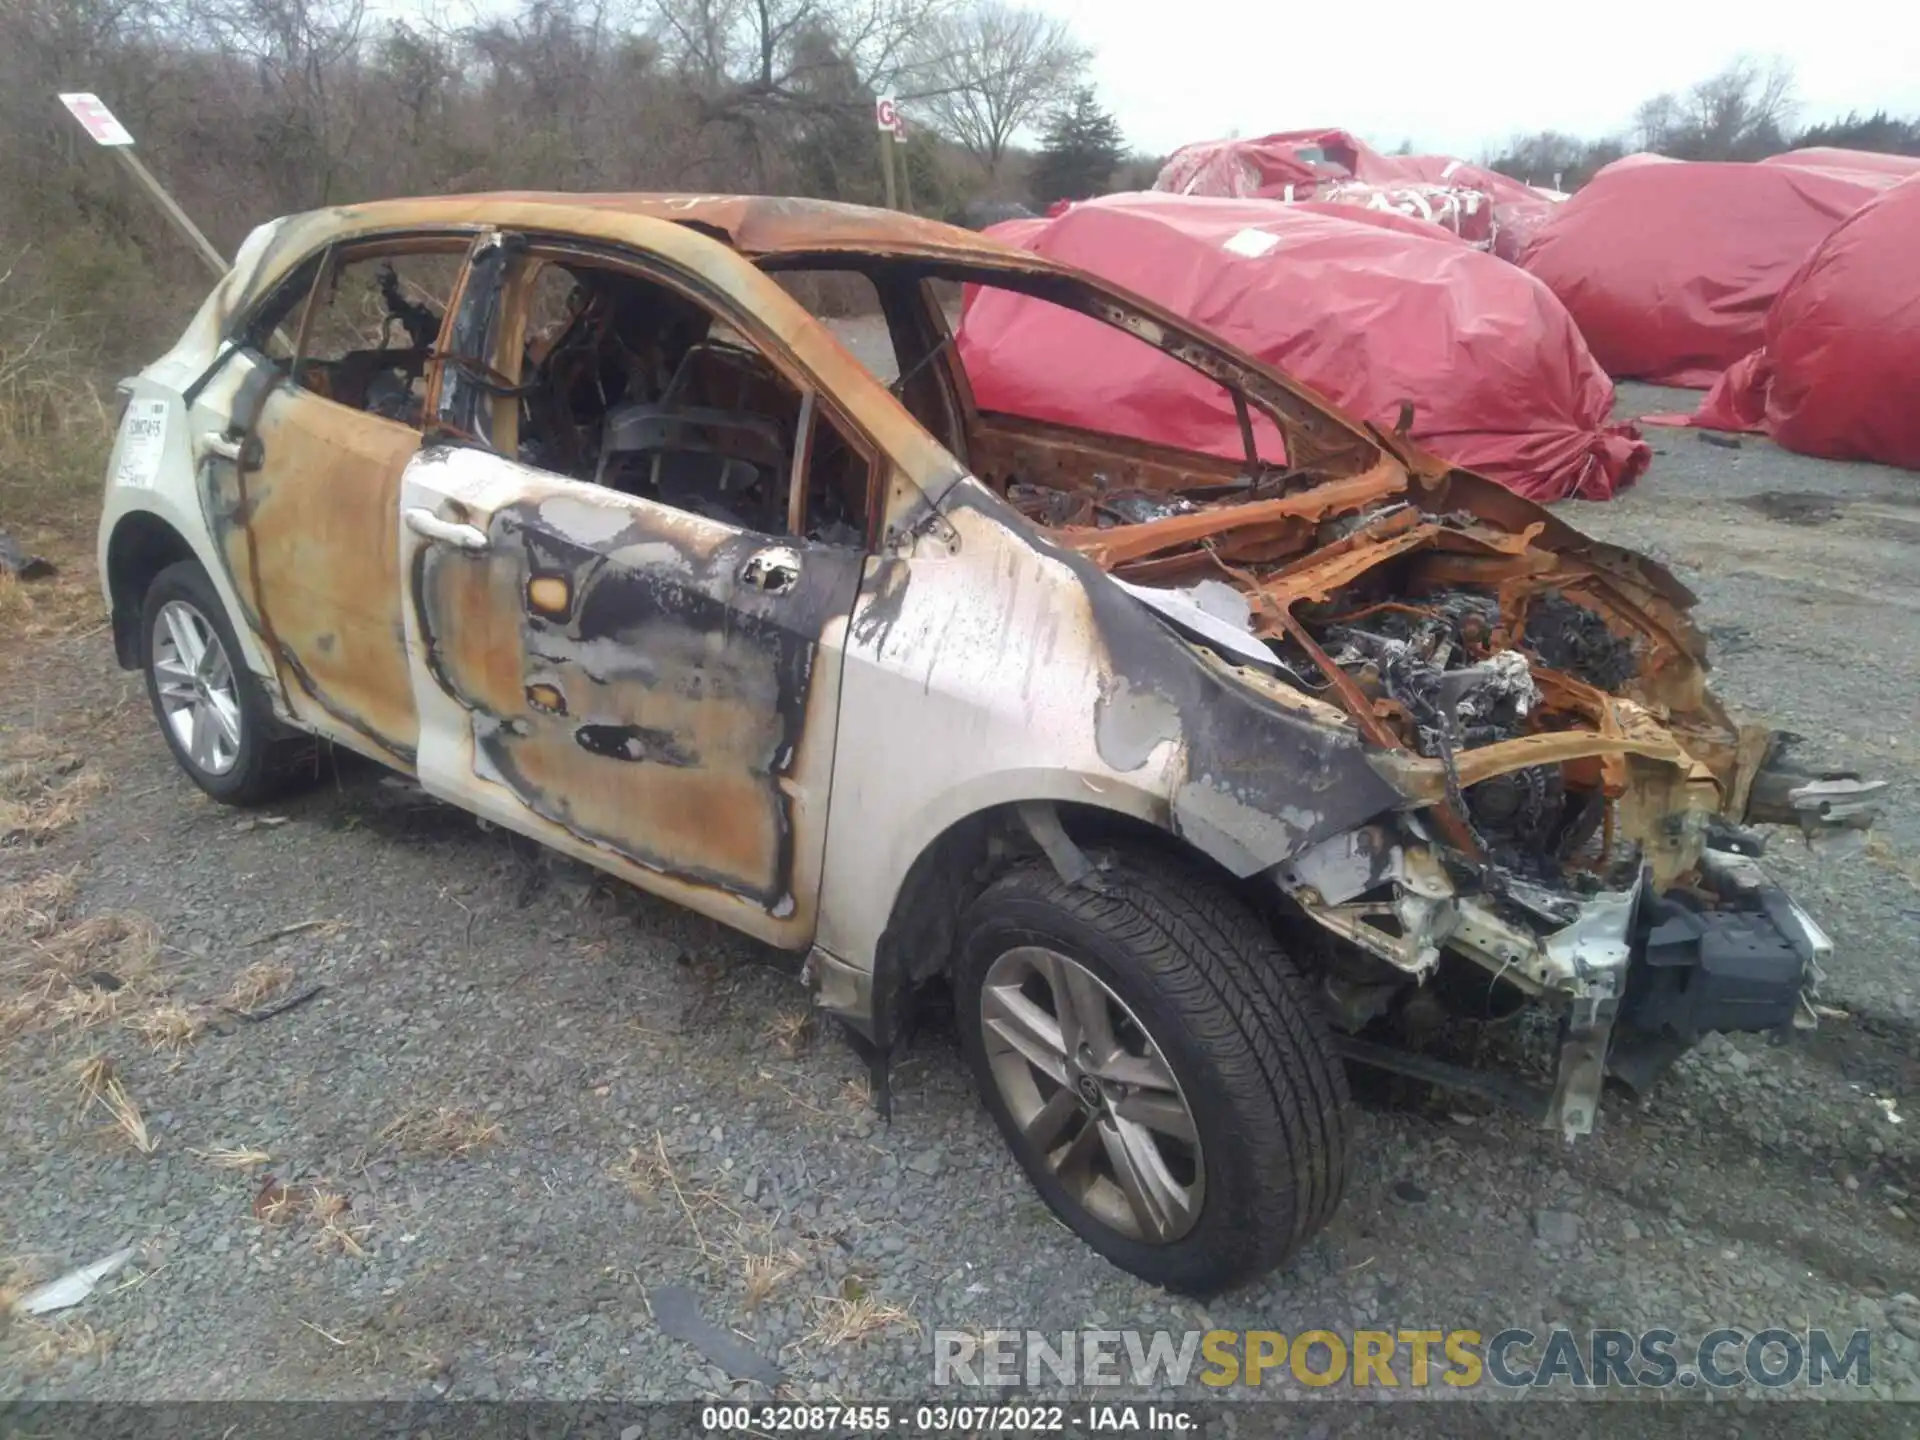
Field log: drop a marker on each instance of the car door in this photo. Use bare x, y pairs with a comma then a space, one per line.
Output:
301, 465
650, 688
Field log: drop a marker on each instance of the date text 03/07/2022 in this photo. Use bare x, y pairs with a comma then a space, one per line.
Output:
1118, 1417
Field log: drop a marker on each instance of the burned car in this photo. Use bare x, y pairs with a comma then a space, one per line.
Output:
1188, 776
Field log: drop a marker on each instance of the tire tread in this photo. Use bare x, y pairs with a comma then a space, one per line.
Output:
1219, 967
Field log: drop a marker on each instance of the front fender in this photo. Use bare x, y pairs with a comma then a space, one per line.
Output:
985, 667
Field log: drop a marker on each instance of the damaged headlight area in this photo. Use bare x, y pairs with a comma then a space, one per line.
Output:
1612, 888
1571, 834
1637, 978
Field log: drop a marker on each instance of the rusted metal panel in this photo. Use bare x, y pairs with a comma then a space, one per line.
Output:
1001, 447
621, 684
708, 235
321, 511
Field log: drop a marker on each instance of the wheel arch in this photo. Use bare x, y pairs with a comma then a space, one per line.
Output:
916, 945
141, 545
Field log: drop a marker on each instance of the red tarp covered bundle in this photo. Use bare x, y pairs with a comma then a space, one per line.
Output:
1669, 266
1483, 207
1839, 375
1827, 157
1369, 309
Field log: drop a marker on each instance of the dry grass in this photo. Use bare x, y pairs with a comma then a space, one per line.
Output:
120, 945
337, 1227
100, 1084
42, 795
260, 982
234, 1157
74, 977
450, 1131
642, 1172
17, 1277
18, 1014
762, 1274
856, 1093
38, 907
91, 1073
167, 1026
275, 1204
127, 1119
51, 608
68, 1340
332, 1212
82, 1008
840, 1322
55, 433
16, 605
648, 1171
790, 1033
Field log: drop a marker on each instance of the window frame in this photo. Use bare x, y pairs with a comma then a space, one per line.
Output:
324, 263
536, 249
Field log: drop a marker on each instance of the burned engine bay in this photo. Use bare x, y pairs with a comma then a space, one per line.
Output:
1577, 798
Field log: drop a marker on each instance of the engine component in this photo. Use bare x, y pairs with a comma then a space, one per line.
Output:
1573, 638
1523, 807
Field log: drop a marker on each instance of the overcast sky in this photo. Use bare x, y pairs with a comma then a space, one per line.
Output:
1458, 76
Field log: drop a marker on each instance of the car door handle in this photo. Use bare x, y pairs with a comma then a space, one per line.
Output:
448, 532
774, 570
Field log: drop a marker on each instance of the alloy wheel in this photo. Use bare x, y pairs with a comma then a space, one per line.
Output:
1091, 1091
199, 699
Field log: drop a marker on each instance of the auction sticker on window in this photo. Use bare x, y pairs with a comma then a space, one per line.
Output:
143, 441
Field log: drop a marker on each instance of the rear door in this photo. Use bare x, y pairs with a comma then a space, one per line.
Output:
650, 685
300, 475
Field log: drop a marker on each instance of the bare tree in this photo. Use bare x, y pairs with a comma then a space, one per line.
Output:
1739, 114
1656, 121
305, 56
1742, 109
789, 81
985, 72
761, 50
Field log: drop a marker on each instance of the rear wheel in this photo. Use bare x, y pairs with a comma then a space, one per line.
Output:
211, 710
1153, 1060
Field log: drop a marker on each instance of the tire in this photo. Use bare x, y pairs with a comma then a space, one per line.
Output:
1226, 1013
248, 763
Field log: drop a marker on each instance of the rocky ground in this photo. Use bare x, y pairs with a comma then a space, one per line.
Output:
515, 1098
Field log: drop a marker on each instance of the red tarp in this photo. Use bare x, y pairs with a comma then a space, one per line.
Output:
1369, 309
1839, 374
1483, 207
1828, 157
1668, 266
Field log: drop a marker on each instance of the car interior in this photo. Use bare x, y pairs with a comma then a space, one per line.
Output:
629, 385
372, 330
623, 383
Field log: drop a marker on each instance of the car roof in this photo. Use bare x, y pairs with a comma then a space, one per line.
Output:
760, 226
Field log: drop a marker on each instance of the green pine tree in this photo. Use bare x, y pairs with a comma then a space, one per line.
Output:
1081, 149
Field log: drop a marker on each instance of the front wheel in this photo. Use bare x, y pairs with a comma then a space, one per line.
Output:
1157, 1067
212, 712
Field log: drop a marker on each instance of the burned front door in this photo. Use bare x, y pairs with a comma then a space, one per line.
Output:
652, 690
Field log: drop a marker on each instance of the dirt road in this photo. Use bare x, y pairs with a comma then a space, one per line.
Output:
517, 1097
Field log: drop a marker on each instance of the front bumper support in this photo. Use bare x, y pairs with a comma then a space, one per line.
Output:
1643, 977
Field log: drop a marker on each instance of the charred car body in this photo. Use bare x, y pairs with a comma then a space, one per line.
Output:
1190, 775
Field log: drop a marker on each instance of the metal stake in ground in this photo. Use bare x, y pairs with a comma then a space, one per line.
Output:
886, 117
906, 161
108, 133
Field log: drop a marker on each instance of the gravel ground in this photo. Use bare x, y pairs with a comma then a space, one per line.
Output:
633, 1101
